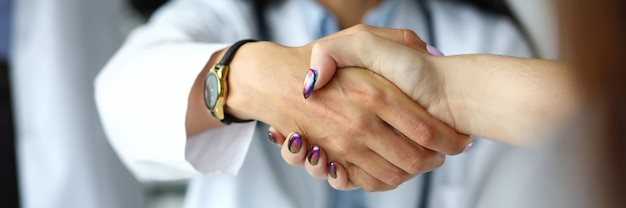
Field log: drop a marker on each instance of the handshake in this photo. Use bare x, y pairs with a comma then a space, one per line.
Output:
379, 106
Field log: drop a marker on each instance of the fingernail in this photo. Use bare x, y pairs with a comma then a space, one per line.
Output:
309, 83
314, 155
433, 51
468, 147
333, 170
270, 136
295, 143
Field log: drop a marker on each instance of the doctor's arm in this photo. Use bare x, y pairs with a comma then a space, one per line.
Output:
152, 109
141, 93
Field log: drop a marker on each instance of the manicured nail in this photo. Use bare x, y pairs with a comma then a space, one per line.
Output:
295, 142
433, 51
333, 170
270, 136
314, 155
309, 83
468, 147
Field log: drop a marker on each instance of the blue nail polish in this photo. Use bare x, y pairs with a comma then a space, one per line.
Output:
309, 83
314, 155
295, 143
332, 170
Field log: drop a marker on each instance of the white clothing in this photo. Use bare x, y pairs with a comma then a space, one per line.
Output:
64, 159
142, 98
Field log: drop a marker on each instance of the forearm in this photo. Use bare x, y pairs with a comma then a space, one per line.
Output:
142, 101
143, 93
263, 79
198, 118
507, 99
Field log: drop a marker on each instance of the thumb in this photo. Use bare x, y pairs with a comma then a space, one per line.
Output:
327, 56
323, 65
362, 49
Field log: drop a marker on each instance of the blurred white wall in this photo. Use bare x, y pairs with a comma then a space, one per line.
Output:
64, 159
538, 16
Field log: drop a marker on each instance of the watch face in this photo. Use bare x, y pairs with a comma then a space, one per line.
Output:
212, 90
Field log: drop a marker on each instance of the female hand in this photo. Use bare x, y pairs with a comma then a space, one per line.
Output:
367, 154
346, 118
408, 66
471, 93
368, 171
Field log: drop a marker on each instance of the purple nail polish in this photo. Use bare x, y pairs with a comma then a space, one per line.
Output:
270, 136
314, 155
433, 51
309, 83
295, 143
468, 147
333, 170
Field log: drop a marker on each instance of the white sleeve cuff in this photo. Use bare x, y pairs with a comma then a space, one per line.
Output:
220, 150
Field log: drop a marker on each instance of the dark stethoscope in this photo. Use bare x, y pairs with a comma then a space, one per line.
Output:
264, 34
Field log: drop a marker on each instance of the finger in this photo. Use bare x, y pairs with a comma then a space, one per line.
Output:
316, 163
294, 149
326, 56
338, 177
379, 167
415, 123
433, 51
360, 178
436, 159
275, 136
403, 153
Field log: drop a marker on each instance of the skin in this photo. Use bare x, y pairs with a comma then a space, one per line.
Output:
336, 120
348, 13
472, 93
597, 65
262, 80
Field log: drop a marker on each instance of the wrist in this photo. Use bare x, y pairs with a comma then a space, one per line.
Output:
216, 85
452, 106
198, 117
264, 80
241, 69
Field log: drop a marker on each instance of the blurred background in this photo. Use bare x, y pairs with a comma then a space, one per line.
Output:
25, 115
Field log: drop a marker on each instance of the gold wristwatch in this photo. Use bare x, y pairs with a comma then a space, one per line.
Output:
216, 85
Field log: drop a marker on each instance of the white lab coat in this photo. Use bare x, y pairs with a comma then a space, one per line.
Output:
142, 98
64, 159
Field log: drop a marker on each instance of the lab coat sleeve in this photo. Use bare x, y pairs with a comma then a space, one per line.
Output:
142, 92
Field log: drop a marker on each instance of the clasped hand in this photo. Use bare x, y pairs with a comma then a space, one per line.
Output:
360, 130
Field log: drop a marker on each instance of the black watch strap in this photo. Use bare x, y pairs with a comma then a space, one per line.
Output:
230, 53
225, 61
